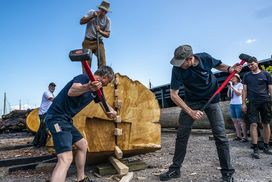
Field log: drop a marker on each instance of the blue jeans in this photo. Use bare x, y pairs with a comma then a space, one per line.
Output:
216, 119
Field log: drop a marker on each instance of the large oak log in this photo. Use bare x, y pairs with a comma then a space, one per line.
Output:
170, 118
139, 112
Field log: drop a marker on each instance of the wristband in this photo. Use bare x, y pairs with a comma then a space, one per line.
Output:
228, 69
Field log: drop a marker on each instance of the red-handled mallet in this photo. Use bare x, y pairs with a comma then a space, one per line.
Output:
244, 58
84, 55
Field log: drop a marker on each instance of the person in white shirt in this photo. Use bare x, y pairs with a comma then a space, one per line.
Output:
235, 93
47, 99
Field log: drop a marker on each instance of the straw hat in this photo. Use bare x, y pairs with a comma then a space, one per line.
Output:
238, 76
105, 5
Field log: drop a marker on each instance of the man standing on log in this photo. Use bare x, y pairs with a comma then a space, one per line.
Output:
77, 94
97, 23
258, 90
193, 72
47, 99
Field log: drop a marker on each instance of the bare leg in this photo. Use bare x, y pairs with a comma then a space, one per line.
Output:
60, 171
244, 128
266, 131
80, 158
254, 133
237, 127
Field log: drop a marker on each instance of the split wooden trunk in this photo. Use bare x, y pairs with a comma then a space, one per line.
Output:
138, 111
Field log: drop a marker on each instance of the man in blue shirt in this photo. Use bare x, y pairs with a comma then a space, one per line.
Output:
193, 72
77, 94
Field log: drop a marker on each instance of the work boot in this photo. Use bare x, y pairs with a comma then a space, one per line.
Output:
244, 140
266, 149
227, 178
87, 179
171, 173
255, 154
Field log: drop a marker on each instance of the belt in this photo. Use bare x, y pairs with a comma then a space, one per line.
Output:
93, 40
90, 39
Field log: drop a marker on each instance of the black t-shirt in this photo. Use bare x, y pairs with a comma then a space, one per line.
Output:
66, 107
257, 86
199, 82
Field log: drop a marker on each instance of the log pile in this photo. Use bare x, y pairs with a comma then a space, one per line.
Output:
14, 121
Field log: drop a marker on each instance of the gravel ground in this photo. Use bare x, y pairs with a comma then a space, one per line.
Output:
201, 164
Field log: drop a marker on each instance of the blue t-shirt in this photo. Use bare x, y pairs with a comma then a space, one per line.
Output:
66, 107
199, 82
257, 86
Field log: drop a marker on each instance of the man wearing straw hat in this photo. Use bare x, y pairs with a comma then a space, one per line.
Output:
97, 22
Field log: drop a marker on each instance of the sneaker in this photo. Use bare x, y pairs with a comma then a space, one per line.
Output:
169, 175
267, 151
227, 178
87, 179
255, 154
237, 139
244, 140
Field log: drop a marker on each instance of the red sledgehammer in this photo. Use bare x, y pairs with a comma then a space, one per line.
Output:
244, 58
84, 55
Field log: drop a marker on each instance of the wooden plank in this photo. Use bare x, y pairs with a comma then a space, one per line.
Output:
24, 160
117, 132
14, 147
230, 135
118, 103
30, 165
116, 92
119, 166
107, 169
118, 152
127, 178
118, 119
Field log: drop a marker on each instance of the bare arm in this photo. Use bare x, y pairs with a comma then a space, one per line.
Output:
229, 69
195, 114
78, 89
51, 98
112, 114
237, 92
223, 67
270, 90
244, 96
85, 19
104, 33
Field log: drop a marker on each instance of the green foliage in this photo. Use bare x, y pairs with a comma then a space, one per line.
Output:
268, 69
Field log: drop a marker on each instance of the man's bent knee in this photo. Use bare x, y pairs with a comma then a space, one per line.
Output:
65, 157
82, 144
254, 125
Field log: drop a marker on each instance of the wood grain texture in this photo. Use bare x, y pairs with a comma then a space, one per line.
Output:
139, 113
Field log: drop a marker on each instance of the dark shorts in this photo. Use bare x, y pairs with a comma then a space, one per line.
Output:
259, 112
64, 134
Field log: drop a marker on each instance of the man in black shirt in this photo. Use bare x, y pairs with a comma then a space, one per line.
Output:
257, 86
193, 72
76, 95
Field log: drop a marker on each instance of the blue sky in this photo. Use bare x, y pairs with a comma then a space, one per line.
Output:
36, 37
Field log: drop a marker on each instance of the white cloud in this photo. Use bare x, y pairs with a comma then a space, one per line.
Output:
250, 41
23, 107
